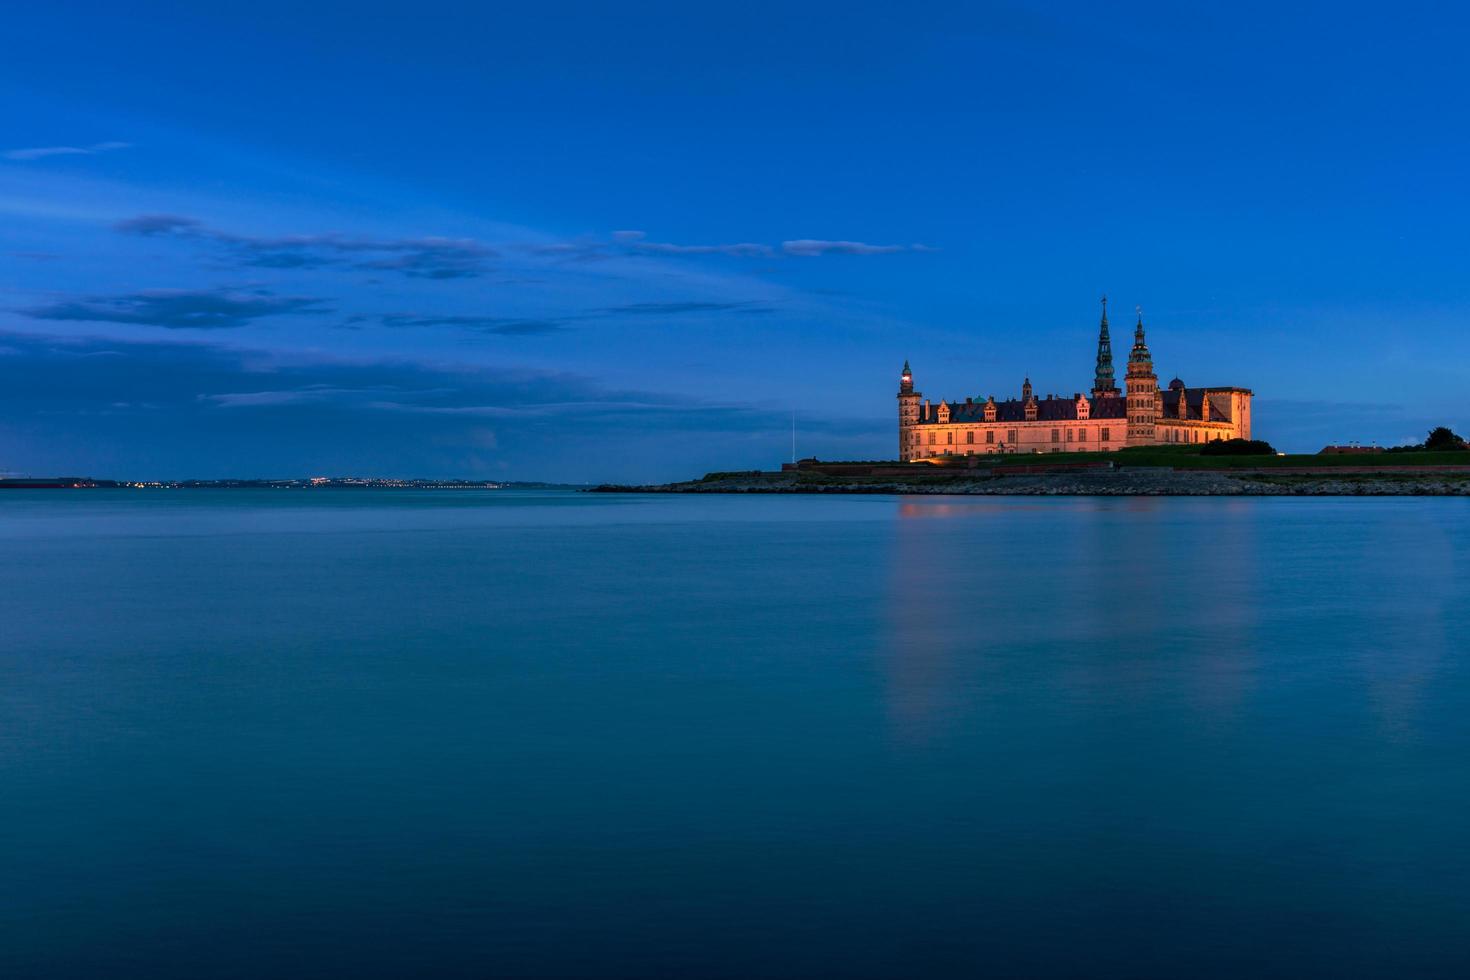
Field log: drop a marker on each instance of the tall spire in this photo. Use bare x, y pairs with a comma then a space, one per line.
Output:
1102, 382
1139, 355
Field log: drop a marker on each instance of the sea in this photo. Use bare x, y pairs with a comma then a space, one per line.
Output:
359, 733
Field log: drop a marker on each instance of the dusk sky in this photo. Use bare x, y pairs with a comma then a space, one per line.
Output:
627, 241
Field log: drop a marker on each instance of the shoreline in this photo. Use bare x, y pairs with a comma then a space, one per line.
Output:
1170, 483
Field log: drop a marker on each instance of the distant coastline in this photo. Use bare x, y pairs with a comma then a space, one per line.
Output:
291, 483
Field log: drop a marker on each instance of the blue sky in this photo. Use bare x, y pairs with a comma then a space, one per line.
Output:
626, 242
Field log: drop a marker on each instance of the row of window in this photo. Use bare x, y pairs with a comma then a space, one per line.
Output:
1073, 435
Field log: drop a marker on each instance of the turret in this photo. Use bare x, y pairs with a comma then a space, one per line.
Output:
908, 414
1143, 391
1029, 401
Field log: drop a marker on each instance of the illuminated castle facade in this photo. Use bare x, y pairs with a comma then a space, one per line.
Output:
1142, 415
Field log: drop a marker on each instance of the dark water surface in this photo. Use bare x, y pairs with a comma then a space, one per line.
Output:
336, 733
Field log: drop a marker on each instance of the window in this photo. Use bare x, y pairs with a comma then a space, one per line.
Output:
931, 438
1081, 435
1107, 435
1011, 437
1056, 435
970, 437
949, 438
990, 438
1069, 435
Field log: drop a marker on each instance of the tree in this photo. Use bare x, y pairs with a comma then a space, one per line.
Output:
1441, 439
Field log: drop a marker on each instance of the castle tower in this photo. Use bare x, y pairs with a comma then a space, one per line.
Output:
1143, 391
908, 414
1102, 382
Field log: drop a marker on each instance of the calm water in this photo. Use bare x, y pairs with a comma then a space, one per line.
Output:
491, 734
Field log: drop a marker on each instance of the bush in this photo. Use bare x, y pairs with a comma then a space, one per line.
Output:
1237, 447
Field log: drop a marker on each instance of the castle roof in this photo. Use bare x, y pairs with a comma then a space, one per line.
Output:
1049, 409
1194, 401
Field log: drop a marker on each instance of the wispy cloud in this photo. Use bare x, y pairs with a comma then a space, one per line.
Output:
637, 243
41, 152
432, 257
485, 324
426, 257
527, 326
815, 246
681, 308
178, 309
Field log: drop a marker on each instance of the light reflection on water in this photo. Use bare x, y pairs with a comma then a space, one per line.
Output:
551, 734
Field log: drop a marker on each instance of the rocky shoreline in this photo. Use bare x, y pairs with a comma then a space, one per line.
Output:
1188, 483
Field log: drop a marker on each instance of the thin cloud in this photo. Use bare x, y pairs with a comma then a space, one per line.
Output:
681, 308
41, 152
632, 242
426, 257
529, 326
637, 241
815, 246
159, 224
178, 309
510, 326
580, 251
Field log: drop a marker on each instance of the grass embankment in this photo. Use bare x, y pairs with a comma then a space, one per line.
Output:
1175, 457
1188, 457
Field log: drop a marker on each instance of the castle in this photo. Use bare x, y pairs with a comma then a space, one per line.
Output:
1144, 415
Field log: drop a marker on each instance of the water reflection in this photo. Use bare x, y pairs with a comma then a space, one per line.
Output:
1097, 601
